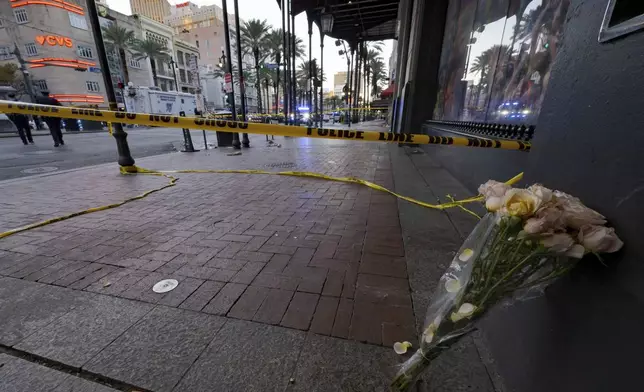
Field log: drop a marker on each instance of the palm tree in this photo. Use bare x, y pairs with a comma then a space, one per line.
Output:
371, 56
269, 78
254, 34
219, 72
378, 74
302, 75
153, 50
119, 39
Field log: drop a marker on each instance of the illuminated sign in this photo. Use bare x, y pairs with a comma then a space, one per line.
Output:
53, 40
60, 62
52, 3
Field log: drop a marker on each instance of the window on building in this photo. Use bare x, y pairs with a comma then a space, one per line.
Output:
31, 49
85, 51
180, 57
495, 63
77, 21
41, 85
197, 43
134, 63
6, 53
1, 23
189, 77
92, 86
182, 75
207, 44
21, 15
187, 58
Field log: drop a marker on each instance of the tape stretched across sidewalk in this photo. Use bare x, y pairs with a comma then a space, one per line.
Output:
199, 123
128, 170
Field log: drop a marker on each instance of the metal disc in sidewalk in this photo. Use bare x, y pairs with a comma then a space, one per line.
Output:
165, 285
38, 170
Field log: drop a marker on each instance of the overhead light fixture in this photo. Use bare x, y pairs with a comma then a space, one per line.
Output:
327, 22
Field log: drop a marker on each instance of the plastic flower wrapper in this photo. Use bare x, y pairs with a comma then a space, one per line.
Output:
530, 238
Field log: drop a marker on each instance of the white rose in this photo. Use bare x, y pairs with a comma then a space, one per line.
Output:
493, 189
541, 191
599, 239
520, 203
558, 243
493, 203
576, 252
547, 219
575, 213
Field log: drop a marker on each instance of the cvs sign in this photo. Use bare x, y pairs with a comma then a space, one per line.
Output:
53, 40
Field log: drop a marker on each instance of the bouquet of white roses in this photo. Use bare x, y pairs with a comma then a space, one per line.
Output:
529, 238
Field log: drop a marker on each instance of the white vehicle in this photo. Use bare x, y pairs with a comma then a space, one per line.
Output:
152, 100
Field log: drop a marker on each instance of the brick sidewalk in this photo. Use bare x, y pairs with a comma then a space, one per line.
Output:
300, 253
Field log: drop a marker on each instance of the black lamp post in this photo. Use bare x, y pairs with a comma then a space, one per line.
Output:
347, 85
125, 158
174, 73
236, 143
278, 57
242, 82
309, 18
321, 78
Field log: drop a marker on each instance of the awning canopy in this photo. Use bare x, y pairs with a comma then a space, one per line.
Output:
388, 92
353, 21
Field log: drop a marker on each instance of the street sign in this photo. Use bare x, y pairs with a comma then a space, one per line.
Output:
94, 69
228, 83
271, 66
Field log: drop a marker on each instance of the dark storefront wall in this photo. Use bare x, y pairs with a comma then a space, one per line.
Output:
495, 66
585, 333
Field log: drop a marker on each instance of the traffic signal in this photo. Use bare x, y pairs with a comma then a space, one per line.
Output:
120, 85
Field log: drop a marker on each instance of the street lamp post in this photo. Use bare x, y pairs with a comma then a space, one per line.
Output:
174, 73
293, 68
242, 82
310, 84
321, 79
277, 83
125, 157
347, 85
236, 143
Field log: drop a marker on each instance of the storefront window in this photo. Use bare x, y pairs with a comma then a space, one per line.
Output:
497, 57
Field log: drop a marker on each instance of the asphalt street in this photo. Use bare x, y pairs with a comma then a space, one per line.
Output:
85, 149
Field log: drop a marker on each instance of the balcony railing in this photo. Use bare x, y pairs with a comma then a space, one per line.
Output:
485, 130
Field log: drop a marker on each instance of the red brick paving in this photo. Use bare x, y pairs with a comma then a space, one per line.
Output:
301, 253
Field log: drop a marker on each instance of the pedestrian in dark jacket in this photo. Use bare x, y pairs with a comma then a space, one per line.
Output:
52, 122
21, 121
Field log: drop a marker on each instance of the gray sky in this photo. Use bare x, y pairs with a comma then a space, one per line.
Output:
269, 10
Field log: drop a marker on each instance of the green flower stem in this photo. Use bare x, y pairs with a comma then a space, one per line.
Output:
553, 275
508, 274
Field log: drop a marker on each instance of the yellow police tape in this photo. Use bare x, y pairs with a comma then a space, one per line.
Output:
167, 173
248, 127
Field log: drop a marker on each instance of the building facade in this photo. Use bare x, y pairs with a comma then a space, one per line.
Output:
56, 49
156, 10
339, 81
203, 27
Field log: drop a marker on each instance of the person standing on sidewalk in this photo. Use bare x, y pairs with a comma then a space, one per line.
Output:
52, 122
21, 122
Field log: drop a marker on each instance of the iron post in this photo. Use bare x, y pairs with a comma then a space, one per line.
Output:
236, 143
242, 83
321, 79
125, 157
